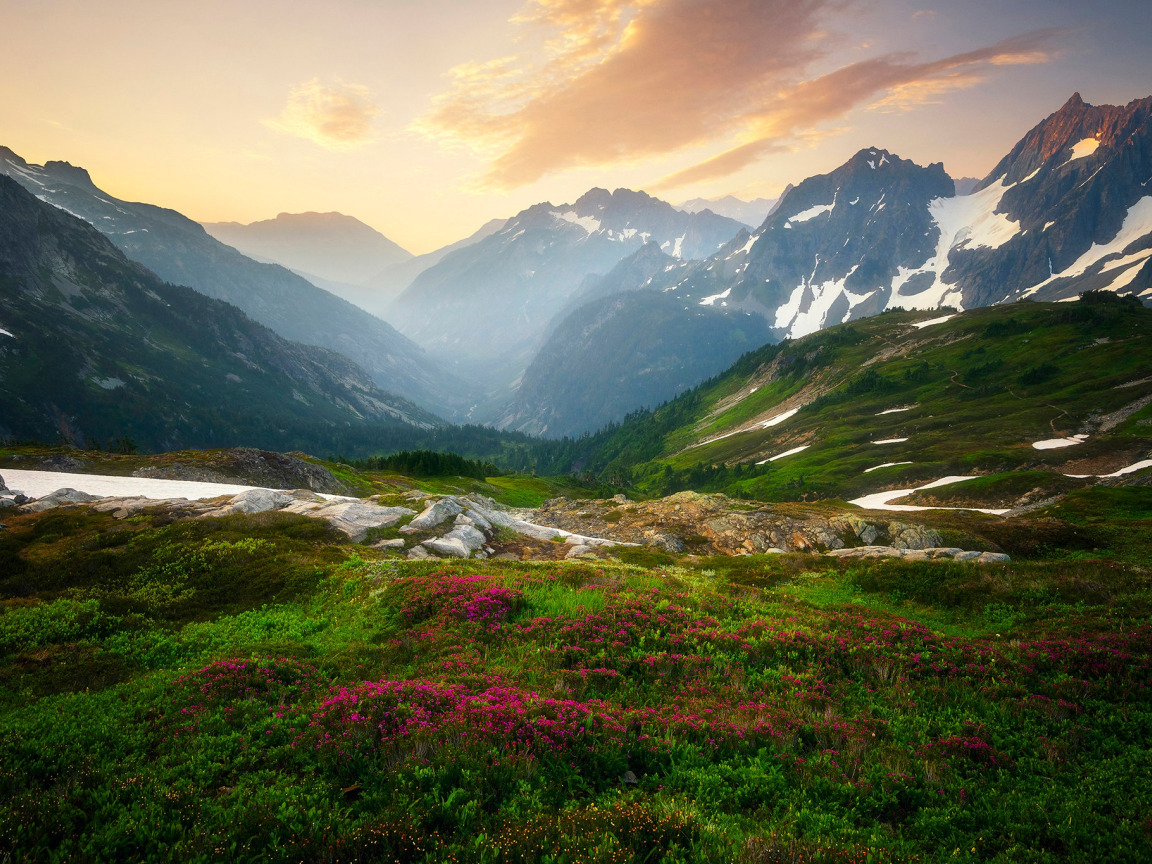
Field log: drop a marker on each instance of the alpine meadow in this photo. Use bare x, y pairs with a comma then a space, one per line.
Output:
566, 432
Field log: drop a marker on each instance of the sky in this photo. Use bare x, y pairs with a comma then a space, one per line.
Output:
427, 118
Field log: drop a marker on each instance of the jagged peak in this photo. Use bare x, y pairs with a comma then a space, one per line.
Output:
69, 173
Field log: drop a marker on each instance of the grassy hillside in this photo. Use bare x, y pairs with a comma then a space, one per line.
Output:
971, 394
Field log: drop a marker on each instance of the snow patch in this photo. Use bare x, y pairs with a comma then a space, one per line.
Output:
880, 500
723, 295
885, 465
891, 441
589, 223
896, 410
4, 332
1056, 443
920, 325
813, 212
1082, 149
1130, 469
791, 452
37, 484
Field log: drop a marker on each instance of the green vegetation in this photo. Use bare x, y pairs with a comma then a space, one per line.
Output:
254, 688
978, 389
427, 463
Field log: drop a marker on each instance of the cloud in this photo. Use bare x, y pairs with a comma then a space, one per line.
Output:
336, 116
601, 82
890, 82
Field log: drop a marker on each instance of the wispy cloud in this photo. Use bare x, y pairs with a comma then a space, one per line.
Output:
337, 116
608, 81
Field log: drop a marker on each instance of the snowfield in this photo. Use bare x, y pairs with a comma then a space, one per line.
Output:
880, 500
37, 484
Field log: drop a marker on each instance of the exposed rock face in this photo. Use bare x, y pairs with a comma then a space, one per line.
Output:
351, 516
716, 524
59, 498
929, 554
435, 513
252, 468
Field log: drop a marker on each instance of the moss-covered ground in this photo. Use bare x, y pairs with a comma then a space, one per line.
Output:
256, 689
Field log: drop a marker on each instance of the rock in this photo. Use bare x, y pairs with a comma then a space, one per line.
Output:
434, 514
628, 778
3, 488
993, 558
389, 544
7, 502
59, 498
577, 551
419, 553
967, 556
260, 501
669, 543
460, 542
913, 536
775, 550
478, 519
354, 518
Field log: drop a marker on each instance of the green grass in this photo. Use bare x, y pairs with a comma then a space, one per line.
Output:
165, 690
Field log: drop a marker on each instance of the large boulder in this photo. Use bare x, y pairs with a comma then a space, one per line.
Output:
260, 501
434, 514
355, 518
59, 498
460, 542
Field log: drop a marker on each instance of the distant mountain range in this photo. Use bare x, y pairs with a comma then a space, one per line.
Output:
567, 317
1068, 210
95, 348
751, 213
484, 308
331, 246
181, 252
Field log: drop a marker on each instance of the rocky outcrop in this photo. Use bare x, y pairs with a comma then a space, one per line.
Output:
59, 498
716, 524
250, 467
929, 554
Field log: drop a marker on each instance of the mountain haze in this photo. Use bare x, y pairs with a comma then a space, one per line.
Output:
95, 347
181, 252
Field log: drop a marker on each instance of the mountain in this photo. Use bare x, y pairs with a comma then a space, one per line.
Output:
751, 213
1068, 210
331, 246
1037, 398
597, 365
95, 347
377, 293
181, 252
486, 306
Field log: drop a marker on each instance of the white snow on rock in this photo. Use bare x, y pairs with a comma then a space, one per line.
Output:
890, 441
812, 212
1081, 149
791, 452
881, 500
1130, 469
963, 220
723, 295
920, 325
1137, 223
885, 465
589, 223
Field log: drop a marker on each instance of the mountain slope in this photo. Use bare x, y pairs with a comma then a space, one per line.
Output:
597, 364
94, 347
181, 252
332, 246
488, 304
905, 398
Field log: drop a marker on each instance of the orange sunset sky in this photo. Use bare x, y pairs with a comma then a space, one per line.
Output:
426, 119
